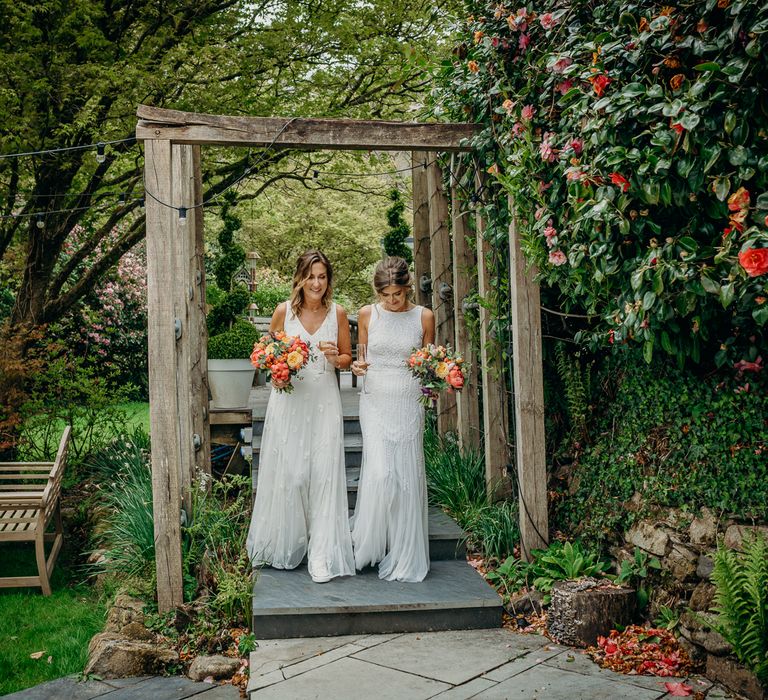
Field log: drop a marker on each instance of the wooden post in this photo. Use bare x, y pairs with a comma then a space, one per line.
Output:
421, 254
163, 367
198, 331
442, 281
467, 400
529, 396
494, 390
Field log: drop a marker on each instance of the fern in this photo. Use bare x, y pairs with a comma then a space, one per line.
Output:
741, 603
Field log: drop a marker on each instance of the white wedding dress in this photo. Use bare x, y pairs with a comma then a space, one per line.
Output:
301, 495
390, 521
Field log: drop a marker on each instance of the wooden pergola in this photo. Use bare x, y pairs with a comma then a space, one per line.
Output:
444, 262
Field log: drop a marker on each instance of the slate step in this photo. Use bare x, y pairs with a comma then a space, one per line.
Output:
351, 425
454, 596
353, 450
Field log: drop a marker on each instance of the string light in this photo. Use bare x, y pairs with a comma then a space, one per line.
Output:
64, 149
182, 216
40, 221
100, 157
123, 197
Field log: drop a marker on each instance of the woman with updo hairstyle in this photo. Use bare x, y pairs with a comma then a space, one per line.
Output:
389, 526
301, 496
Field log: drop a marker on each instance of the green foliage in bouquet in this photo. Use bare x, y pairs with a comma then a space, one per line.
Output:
234, 344
631, 138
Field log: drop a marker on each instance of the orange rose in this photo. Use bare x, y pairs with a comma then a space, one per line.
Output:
754, 261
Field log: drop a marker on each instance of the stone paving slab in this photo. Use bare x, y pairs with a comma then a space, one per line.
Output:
546, 683
274, 654
451, 657
62, 688
352, 679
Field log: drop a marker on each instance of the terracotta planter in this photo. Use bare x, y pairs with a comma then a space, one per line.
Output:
230, 382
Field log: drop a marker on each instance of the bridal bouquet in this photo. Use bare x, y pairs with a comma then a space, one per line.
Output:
282, 355
437, 368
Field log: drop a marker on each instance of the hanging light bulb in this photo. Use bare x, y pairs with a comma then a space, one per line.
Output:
182, 216
40, 221
100, 157
315, 174
123, 197
142, 203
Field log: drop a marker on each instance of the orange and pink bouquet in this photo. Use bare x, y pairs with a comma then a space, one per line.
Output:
438, 368
282, 355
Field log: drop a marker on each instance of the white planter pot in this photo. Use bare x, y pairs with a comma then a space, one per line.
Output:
230, 382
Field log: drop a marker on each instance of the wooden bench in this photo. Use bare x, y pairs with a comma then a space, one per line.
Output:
29, 501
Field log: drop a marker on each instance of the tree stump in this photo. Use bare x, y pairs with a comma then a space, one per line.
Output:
582, 610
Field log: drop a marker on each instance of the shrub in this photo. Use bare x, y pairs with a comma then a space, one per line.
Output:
741, 603
631, 137
270, 291
678, 439
394, 240
234, 344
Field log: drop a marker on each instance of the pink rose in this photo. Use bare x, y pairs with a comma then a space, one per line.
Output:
517, 129
546, 151
548, 21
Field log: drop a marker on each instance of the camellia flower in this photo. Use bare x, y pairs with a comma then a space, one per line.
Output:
739, 200
557, 258
550, 233
745, 366
576, 145
539, 213
523, 42
508, 106
547, 153
548, 21
565, 86
473, 66
561, 64
754, 261
620, 180
527, 112
574, 174
493, 169
676, 81
599, 83
478, 36
517, 129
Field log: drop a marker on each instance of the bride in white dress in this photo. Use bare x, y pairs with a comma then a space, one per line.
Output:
390, 521
301, 495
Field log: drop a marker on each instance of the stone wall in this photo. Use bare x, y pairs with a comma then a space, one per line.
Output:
685, 544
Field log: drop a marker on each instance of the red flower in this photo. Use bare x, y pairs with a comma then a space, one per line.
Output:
599, 83
620, 180
744, 366
738, 200
679, 128
754, 261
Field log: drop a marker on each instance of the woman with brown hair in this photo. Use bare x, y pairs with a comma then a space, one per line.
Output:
390, 521
301, 496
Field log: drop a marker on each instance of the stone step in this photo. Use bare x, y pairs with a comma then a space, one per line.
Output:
353, 450
351, 425
454, 596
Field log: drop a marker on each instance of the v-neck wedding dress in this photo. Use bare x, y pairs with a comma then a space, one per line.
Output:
301, 495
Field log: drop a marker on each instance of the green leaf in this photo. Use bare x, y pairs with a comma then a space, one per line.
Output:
710, 286
689, 120
711, 153
722, 188
649, 299
688, 244
760, 314
738, 156
636, 280
729, 122
633, 90
762, 200
658, 282
666, 343
648, 351
708, 66
726, 295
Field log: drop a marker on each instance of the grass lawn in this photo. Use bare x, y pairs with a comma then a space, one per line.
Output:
138, 415
60, 625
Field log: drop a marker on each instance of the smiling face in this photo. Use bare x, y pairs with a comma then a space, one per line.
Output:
316, 284
394, 298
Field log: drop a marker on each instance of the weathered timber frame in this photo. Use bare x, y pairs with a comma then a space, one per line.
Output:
178, 391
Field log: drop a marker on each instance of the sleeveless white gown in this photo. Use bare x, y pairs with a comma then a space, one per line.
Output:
301, 495
390, 521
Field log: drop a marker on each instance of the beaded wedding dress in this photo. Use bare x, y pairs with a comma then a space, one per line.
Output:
390, 521
301, 495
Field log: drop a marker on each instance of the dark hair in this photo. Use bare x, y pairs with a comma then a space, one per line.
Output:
303, 270
391, 272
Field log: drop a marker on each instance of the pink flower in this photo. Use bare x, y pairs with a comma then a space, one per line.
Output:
523, 42
561, 64
574, 174
550, 233
565, 86
744, 366
543, 186
546, 151
539, 213
576, 145
527, 113
517, 129
548, 21
557, 258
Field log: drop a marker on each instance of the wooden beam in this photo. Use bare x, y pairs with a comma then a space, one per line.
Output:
163, 365
334, 134
442, 281
463, 285
492, 379
197, 326
421, 253
529, 396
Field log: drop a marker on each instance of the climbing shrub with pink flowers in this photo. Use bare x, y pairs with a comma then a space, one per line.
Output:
633, 139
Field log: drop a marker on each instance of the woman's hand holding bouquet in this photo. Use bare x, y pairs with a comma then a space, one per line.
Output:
438, 368
283, 356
